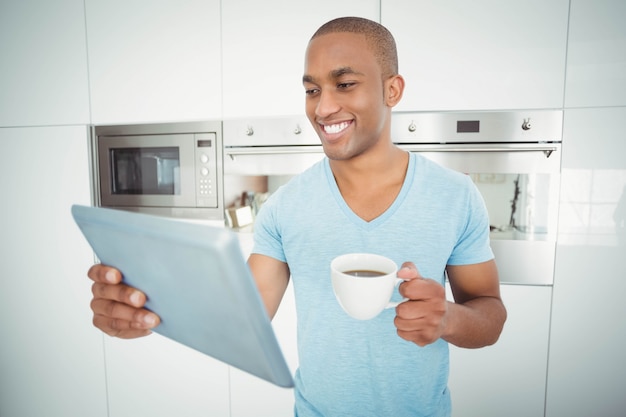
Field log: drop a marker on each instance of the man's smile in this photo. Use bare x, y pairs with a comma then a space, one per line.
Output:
335, 128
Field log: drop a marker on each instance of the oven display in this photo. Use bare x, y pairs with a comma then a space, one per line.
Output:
468, 126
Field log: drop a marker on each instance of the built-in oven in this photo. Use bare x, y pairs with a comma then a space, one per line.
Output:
170, 169
513, 157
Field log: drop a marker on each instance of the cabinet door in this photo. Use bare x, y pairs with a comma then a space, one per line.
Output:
43, 75
155, 376
154, 61
263, 53
596, 56
460, 55
587, 372
51, 358
508, 378
252, 396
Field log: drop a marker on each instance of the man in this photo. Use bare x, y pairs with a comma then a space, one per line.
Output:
366, 196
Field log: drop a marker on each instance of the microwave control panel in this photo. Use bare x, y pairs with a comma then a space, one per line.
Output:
206, 169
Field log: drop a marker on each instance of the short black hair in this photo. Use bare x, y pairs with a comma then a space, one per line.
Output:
378, 37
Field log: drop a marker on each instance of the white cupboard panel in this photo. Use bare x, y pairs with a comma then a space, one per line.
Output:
154, 61
264, 45
50, 354
460, 55
43, 75
587, 371
155, 376
252, 396
596, 56
508, 378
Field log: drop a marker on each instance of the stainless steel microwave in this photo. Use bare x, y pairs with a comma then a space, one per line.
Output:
169, 169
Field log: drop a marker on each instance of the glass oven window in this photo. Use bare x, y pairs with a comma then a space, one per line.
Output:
521, 206
145, 171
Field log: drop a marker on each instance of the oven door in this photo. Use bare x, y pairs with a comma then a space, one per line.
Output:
520, 185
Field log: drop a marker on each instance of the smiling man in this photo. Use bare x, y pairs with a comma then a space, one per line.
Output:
369, 196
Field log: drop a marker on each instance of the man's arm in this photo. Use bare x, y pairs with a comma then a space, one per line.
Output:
271, 277
475, 318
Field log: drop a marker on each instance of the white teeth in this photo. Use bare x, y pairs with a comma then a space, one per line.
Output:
336, 128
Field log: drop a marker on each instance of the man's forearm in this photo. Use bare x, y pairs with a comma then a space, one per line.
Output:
476, 323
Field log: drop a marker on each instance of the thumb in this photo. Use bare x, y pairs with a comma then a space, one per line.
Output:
408, 271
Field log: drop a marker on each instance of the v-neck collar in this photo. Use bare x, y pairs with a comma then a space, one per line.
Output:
351, 215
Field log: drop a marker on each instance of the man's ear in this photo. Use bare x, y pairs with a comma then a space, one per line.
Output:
394, 87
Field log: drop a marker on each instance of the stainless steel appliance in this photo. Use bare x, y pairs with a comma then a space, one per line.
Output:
513, 158
171, 169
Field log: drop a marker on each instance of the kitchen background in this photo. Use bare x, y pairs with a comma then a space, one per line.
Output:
66, 64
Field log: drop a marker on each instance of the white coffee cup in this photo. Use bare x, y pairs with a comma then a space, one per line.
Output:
364, 297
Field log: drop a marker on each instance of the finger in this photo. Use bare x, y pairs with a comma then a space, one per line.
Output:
118, 316
119, 292
419, 338
421, 331
105, 274
410, 314
118, 328
422, 289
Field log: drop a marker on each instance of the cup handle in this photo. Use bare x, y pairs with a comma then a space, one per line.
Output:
394, 304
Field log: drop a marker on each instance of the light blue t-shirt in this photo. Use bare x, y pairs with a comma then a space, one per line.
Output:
350, 367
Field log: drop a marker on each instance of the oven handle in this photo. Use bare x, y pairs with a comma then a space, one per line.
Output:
547, 149
272, 150
508, 147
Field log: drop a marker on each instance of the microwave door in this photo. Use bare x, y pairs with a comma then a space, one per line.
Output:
148, 171
137, 172
145, 171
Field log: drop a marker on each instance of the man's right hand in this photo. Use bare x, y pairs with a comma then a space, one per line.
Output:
117, 308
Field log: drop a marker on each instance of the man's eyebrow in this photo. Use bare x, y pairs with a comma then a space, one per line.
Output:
337, 73
343, 71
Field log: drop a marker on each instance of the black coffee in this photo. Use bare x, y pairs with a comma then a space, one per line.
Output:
364, 273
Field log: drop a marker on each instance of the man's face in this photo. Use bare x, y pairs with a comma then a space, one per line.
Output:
344, 94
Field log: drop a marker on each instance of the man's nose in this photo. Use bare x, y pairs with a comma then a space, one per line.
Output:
327, 104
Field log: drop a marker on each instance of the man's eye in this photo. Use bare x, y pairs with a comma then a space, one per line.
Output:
343, 86
310, 91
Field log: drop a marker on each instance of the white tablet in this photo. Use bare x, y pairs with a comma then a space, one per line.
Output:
196, 279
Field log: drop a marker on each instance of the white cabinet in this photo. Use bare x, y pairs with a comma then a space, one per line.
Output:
154, 61
50, 354
251, 396
155, 376
263, 51
596, 56
587, 371
460, 55
508, 378
43, 75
